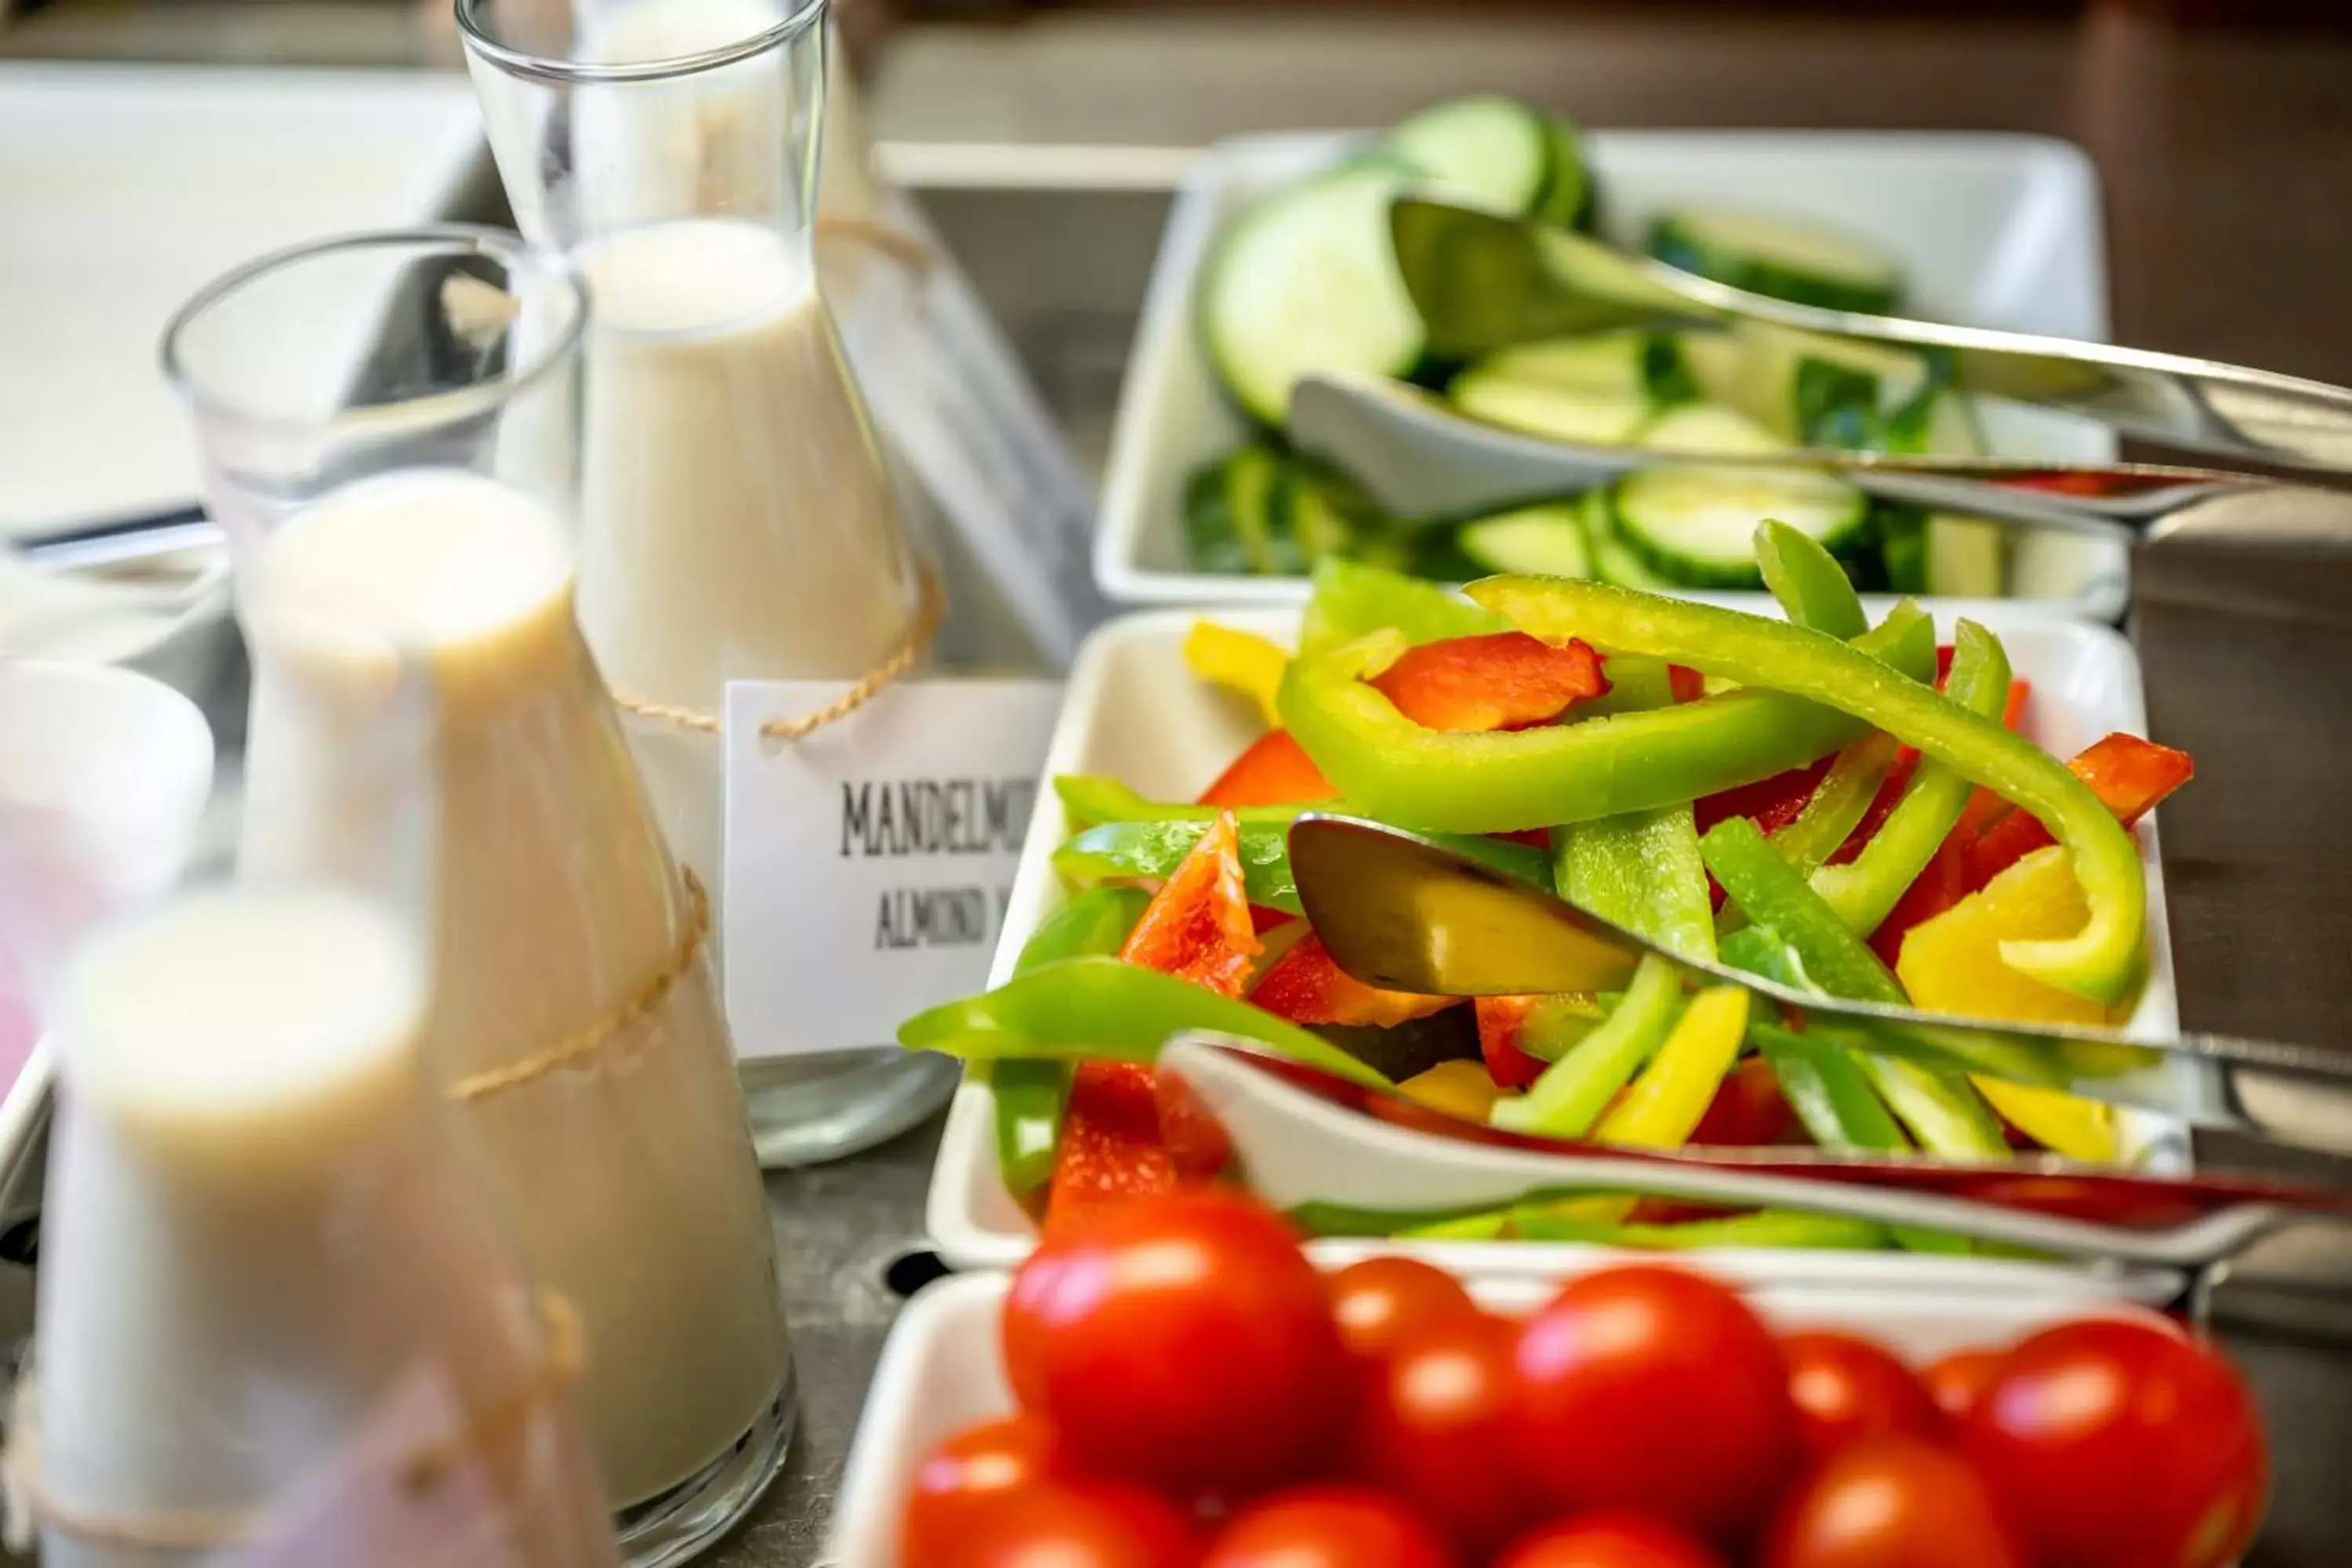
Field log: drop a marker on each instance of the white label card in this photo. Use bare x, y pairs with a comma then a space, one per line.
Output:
867, 866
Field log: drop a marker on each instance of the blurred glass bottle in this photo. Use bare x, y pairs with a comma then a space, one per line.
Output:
389, 429
737, 522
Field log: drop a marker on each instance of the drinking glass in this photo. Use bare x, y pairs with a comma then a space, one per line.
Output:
737, 520
389, 430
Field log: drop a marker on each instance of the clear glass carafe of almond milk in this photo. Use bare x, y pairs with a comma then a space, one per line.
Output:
737, 519
389, 426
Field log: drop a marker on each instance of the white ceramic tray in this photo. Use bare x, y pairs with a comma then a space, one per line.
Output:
1995, 231
940, 1369
1133, 710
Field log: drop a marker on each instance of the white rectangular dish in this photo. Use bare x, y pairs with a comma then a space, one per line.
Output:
940, 1369
1994, 230
1134, 711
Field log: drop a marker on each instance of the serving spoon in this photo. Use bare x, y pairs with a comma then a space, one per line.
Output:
1403, 913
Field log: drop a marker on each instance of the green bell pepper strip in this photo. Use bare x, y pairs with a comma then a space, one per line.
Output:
1032, 1095
1865, 890
1397, 771
1151, 851
1941, 1109
1488, 1226
1075, 1009
1839, 803
1806, 578
1791, 1229
1570, 1095
1351, 599
1093, 798
1642, 870
2101, 961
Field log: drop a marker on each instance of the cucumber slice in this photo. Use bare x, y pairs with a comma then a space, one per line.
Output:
1547, 539
1307, 280
1708, 428
1570, 198
1211, 542
1544, 408
1626, 361
1488, 145
1968, 557
1794, 261
1613, 561
1695, 525
1327, 513
1938, 421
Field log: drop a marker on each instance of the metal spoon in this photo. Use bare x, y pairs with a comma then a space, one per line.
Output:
1401, 912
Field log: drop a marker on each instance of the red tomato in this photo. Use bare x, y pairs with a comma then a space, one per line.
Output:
1436, 1429
1609, 1541
1070, 1524
1958, 1379
969, 1473
1328, 1527
1383, 1301
1846, 1386
1893, 1502
1657, 1390
1184, 1341
2122, 1445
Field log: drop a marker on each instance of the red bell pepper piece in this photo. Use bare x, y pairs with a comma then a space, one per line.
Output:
1747, 1110
1502, 680
1500, 1019
1198, 926
2128, 774
1943, 883
1688, 685
1982, 803
1771, 804
1111, 1145
1274, 770
1306, 986
1198, 1145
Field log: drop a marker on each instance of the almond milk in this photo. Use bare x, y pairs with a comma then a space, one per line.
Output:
424, 620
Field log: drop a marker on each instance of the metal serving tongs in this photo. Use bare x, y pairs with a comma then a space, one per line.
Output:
1482, 280
1402, 913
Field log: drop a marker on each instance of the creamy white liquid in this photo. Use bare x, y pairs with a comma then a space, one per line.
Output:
736, 519
629, 1177
257, 1226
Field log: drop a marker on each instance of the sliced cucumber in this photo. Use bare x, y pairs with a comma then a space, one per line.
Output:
1787, 259
1544, 408
1614, 561
1965, 557
1627, 362
1489, 145
1695, 525
1571, 198
1547, 539
1307, 280
1903, 547
1716, 361
1938, 421
1708, 428
1824, 391
1211, 542
1256, 482
1327, 512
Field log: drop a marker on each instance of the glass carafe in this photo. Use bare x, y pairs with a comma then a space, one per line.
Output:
736, 520
259, 1235
389, 431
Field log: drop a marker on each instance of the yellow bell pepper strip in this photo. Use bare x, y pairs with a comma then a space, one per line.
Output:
1030, 1096
1642, 870
1351, 599
1459, 1087
2100, 961
1812, 588
1397, 771
1664, 1106
1148, 851
1573, 1091
1864, 890
1940, 1109
1242, 662
1103, 1009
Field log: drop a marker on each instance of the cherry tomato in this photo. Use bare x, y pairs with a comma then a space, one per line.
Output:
1656, 1390
1328, 1527
969, 1473
1893, 1501
1070, 1524
1958, 1379
1184, 1341
1846, 1386
2119, 1443
1434, 1429
1609, 1541
1383, 1301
